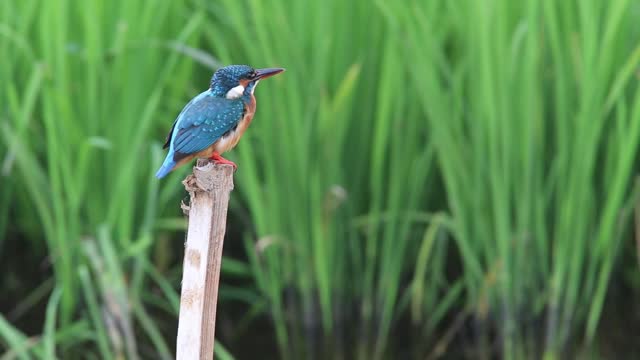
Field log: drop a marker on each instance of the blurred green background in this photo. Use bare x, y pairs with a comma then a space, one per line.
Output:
429, 179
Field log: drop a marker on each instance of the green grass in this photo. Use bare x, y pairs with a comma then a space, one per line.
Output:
535, 114
336, 173
84, 88
406, 140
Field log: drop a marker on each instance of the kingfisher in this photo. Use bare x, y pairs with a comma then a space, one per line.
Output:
213, 121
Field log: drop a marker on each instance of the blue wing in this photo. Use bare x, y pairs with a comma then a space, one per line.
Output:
202, 122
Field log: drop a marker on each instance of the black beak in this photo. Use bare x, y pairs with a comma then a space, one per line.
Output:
265, 73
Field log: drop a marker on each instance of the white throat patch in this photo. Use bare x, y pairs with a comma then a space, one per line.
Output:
235, 92
254, 86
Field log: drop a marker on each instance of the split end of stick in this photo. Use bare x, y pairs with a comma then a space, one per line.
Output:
209, 176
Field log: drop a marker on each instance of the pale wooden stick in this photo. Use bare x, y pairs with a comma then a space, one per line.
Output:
209, 187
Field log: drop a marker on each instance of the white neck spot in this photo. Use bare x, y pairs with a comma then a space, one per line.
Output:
254, 86
235, 92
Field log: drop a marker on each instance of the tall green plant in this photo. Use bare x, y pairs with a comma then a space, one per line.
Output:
84, 84
335, 172
536, 122
522, 116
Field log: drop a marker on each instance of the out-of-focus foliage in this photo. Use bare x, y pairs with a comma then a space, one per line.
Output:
420, 165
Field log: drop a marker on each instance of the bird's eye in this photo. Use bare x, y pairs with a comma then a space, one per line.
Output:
251, 75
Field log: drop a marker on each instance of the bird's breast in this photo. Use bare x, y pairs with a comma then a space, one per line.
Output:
230, 140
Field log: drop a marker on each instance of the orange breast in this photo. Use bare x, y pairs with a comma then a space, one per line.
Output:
231, 140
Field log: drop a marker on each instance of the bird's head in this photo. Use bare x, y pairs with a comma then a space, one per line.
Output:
234, 81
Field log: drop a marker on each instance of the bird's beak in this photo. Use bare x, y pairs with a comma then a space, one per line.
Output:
265, 73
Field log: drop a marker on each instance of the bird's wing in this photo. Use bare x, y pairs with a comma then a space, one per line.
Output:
202, 122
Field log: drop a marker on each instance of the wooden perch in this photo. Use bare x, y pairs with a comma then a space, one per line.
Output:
209, 187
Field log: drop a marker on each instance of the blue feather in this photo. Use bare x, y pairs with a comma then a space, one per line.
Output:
167, 166
204, 120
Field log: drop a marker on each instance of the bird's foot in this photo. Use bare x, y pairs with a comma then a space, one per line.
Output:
222, 161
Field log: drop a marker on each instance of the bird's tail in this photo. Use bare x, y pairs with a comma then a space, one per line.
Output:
166, 167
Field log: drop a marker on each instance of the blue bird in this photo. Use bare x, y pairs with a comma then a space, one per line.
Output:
214, 121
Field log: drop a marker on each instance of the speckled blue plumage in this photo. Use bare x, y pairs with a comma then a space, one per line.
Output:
200, 124
205, 121
227, 77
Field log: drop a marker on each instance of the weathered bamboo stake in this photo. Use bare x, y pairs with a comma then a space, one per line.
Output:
209, 187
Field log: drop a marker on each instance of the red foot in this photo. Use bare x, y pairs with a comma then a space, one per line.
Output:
220, 160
